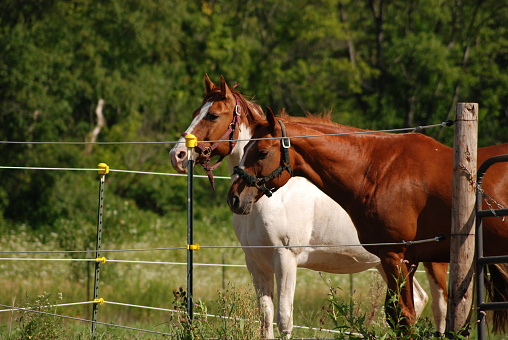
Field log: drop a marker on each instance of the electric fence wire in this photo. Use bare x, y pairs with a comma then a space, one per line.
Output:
85, 320
111, 170
408, 129
48, 306
220, 265
101, 301
403, 243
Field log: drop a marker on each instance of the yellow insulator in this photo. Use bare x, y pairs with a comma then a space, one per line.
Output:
191, 141
101, 259
193, 246
104, 168
100, 301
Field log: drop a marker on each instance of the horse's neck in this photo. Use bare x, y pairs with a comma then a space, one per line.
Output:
333, 164
236, 155
255, 112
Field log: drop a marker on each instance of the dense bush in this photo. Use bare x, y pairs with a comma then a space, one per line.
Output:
376, 64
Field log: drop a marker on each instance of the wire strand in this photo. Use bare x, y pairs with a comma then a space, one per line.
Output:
443, 124
420, 127
85, 320
32, 309
406, 243
111, 170
49, 306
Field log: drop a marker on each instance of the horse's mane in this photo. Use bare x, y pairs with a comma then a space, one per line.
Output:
249, 106
323, 118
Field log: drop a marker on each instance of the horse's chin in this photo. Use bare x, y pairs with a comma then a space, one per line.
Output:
180, 167
245, 210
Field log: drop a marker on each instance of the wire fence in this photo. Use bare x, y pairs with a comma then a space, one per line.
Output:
100, 301
407, 129
189, 247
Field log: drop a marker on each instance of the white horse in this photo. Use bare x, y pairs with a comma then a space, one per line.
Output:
298, 214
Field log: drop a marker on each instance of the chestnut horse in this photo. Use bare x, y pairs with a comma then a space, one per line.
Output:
395, 188
285, 219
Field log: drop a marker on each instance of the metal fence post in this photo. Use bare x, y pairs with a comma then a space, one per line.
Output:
104, 169
190, 142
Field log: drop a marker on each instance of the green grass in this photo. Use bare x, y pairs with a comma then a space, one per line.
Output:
27, 283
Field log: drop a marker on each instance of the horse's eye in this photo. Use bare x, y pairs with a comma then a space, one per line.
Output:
262, 154
212, 117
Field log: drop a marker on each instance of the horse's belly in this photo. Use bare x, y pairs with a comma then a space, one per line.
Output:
343, 262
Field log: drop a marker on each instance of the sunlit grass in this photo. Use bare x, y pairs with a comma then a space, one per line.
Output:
153, 284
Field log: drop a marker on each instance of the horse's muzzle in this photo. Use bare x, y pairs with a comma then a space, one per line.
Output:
239, 206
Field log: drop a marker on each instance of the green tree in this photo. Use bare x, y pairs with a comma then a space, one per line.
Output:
374, 63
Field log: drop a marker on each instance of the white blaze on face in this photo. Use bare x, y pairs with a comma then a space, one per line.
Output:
202, 114
176, 154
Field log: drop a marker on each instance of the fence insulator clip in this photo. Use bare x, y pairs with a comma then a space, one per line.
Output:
101, 259
193, 246
190, 140
104, 168
100, 301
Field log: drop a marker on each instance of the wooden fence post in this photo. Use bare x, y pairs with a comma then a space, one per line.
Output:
460, 287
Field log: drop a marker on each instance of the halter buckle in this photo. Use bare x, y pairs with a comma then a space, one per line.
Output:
206, 151
286, 143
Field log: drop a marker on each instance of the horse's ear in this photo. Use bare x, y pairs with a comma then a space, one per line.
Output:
209, 85
270, 117
224, 88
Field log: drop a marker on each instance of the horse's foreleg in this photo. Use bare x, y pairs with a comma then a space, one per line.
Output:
437, 276
285, 274
420, 296
399, 297
264, 285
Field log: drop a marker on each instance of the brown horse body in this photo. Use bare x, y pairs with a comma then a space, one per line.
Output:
395, 187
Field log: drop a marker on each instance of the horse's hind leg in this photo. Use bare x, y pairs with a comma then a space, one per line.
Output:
285, 274
437, 276
264, 285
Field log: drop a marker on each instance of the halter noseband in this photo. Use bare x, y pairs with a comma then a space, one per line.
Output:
206, 151
260, 183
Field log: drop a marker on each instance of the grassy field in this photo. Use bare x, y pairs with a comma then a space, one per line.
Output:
26, 282
52, 282
217, 291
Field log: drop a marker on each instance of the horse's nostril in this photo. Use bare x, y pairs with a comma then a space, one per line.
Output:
181, 155
234, 202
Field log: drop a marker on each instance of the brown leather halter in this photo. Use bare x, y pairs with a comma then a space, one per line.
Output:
206, 151
260, 183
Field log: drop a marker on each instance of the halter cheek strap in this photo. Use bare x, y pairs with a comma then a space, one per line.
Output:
206, 151
260, 183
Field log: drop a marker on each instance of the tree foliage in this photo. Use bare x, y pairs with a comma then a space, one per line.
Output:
374, 63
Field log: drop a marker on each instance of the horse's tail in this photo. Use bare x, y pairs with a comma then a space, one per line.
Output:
497, 291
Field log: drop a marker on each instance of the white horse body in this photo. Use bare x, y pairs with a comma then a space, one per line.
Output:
298, 214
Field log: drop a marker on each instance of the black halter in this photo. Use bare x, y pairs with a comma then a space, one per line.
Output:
259, 183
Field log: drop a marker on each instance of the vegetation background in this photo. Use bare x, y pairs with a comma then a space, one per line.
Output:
376, 64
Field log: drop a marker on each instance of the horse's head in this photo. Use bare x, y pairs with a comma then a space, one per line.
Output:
265, 166
217, 118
